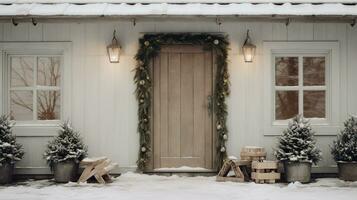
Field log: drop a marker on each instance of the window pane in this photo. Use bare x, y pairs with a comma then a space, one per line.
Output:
314, 71
21, 71
286, 104
314, 104
48, 71
286, 71
48, 105
21, 105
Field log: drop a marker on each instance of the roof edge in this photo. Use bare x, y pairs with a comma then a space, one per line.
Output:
172, 1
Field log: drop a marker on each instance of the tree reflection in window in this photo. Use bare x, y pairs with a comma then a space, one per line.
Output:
24, 85
300, 86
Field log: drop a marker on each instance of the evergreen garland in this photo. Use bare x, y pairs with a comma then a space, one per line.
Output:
297, 142
68, 145
345, 147
149, 47
10, 151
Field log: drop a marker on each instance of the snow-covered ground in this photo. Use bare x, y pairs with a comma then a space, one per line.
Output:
132, 186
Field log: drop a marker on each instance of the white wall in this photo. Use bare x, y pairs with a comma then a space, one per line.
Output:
103, 102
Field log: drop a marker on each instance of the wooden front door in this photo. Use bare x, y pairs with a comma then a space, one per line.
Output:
182, 120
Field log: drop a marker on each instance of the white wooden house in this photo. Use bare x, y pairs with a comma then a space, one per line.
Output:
56, 50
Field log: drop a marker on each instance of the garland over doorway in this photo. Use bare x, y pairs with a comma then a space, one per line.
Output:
149, 47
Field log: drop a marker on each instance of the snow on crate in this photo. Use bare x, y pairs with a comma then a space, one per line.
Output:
133, 186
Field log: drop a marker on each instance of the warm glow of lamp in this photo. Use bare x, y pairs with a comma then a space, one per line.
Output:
114, 50
248, 49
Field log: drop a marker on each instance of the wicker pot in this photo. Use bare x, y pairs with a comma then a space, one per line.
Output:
298, 171
347, 170
6, 172
66, 171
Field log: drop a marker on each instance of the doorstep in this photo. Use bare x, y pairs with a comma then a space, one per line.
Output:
184, 174
188, 172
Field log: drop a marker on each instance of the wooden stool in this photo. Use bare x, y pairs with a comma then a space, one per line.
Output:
97, 167
239, 169
265, 172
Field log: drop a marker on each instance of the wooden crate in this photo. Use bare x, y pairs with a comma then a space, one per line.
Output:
251, 153
265, 171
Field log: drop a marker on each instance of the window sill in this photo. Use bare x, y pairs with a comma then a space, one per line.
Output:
320, 130
54, 123
313, 121
36, 130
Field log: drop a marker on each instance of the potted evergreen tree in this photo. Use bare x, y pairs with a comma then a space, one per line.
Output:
344, 150
64, 153
297, 150
10, 151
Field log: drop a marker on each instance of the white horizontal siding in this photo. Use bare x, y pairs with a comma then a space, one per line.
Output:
103, 102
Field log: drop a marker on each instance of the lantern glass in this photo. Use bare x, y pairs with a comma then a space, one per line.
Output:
248, 49
114, 50
249, 52
113, 53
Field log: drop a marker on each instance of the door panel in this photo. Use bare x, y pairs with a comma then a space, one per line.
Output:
182, 126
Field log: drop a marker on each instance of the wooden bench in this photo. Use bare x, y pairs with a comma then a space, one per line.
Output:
239, 168
97, 167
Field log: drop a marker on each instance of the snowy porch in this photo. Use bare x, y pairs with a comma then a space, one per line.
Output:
136, 186
99, 95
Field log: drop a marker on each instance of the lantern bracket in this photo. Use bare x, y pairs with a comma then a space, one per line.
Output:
353, 23
33, 21
14, 22
247, 39
114, 40
134, 21
218, 21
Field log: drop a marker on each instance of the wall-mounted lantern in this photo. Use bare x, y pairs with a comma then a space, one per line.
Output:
248, 49
114, 50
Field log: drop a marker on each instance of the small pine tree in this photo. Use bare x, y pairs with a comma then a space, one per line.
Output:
297, 142
345, 147
68, 145
10, 151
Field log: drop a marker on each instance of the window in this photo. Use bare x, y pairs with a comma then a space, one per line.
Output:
34, 87
300, 85
301, 78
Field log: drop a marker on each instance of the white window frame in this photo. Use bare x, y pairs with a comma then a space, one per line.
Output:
62, 49
323, 126
300, 88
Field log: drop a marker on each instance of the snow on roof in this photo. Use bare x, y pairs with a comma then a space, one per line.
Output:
173, 9
173, 1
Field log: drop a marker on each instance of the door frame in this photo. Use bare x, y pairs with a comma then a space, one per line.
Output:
149, 47
150, 167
